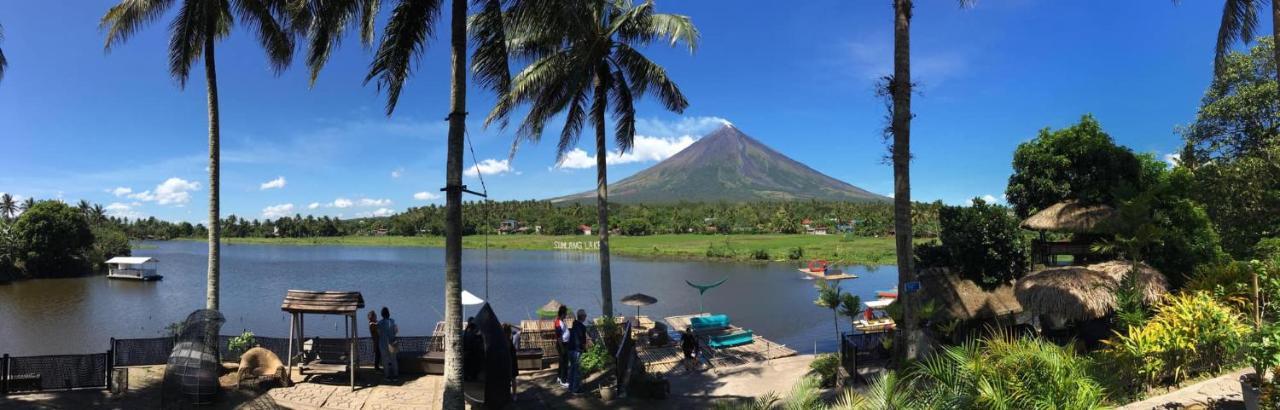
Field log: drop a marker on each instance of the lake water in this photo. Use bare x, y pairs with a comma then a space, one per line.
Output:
79, 315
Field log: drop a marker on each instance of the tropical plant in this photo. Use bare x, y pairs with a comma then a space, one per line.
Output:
1239, 23
1262, 352
851, 307
804, 395
1081, 162
595, 359
8, 207
582, 57
890, 392
829, 298
242, 343
26, 204
108, 242
898, 87
1004, 372
53, 238
194, 32
825, 367
982, 242
1189, 334
4, 63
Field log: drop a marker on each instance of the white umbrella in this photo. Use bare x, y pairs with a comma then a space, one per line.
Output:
470, 299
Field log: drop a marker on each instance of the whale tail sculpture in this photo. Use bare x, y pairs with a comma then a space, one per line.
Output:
703, 288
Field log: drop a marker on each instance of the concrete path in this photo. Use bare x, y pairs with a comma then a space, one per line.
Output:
1222, 392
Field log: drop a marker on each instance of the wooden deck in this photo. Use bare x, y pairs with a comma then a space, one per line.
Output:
661, 360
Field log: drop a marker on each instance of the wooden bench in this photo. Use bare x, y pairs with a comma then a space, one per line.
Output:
324, 357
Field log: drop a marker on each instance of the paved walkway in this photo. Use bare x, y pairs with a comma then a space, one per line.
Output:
1222, 392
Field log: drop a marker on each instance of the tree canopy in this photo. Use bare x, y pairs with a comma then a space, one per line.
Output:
1080, 162
53, 238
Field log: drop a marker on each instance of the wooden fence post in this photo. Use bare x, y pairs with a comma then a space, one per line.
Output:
4, 375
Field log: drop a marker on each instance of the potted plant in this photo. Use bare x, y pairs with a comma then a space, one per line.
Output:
1262, 351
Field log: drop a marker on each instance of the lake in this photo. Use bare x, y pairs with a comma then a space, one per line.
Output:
79, 315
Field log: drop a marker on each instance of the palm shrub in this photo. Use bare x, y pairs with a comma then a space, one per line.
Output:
1003, 372
825, 367
829, 298
1189, 334
850, 307
804, 395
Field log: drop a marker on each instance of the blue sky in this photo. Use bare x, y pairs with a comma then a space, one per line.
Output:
114, 128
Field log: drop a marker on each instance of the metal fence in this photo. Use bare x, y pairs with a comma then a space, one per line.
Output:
22, 374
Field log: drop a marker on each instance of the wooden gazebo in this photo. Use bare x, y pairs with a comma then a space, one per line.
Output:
301, 302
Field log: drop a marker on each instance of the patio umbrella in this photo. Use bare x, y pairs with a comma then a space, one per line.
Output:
639, 300
549, 310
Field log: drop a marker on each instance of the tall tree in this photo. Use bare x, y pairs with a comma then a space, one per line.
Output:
8, 207
26, 204
404, 41
1240, 23
3, 62
899, 89
582, 59
193, 34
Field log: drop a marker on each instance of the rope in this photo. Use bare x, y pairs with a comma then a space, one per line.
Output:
484, 189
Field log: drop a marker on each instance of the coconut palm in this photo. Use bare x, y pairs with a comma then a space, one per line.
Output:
84, 208
899, 88
583, 58
97, 214
8, 207
26, 204
829, 298
193, 33
850, 307
3, 62
1240, 23
403, 42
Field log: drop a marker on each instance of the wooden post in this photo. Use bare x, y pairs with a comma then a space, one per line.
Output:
350, 322
1257, 303
292, 326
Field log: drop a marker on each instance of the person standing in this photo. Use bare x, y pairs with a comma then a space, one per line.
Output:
387, 331
562, 338
373, 334
689, 345
577, 346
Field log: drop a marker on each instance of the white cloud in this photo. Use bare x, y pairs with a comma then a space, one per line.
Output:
342, 203
397, 173
685, 126
1173, 159
121, 191
988, 198
489, 167
645, 149
173, 191
277, 211
380, 212
121, 210
374, 202
272, 184
313, 205
348, 203
426, 196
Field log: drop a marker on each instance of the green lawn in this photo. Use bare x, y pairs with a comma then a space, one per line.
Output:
865, 251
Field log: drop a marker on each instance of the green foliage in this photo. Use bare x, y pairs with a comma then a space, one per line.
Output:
826, 367
1262, 349
595, 359
9, 251
1174, 233
1190, 333
242, 343
850, 306
1080, 162
1004, 372
54, 239
760, 255
1232, 285
804, 395
828, 294
636, 227
108, 242
1131, 309
795, 253
981, 242
721, 251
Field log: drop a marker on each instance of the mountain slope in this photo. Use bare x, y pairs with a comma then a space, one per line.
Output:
727, 165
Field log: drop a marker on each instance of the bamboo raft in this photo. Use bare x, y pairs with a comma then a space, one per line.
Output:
661, 360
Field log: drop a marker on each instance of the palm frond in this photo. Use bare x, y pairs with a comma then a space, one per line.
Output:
624, 113
804, 395
126, 18
268, 19
489, 60
1239, 22
327, 24
188, 32
3, 62
675, 28
646, 75
404, 39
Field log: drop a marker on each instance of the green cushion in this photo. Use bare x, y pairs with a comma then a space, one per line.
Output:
709, 322
730, 340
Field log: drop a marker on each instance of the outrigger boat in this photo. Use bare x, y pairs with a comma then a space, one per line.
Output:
875, 319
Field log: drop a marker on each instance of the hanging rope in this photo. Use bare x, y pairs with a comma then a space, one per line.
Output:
485, 192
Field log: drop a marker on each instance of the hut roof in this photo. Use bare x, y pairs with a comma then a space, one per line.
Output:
1151, 282
1075, 293
327, 302
1069, 216
963, 299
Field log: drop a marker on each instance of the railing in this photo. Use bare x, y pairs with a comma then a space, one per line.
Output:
27, 374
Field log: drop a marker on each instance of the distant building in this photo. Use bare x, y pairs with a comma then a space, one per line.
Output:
508, 226
585, 229
380, 232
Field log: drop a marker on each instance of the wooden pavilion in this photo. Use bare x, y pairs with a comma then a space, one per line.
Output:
302, 302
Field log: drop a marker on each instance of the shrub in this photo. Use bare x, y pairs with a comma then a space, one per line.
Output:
931, 255
595, 359
1189, 334
982, 242
53, 238
242, 343
1007, 372
796, 253
108, 242
760, 255
825, 367
721, 251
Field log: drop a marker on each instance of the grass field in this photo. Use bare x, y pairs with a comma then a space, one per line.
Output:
858, 250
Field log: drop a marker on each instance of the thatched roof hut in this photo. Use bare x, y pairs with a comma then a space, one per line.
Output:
960, 298
1151, 282
1069, 216
1067, 293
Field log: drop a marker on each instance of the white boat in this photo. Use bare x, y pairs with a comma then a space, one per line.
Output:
133, 267
876, 319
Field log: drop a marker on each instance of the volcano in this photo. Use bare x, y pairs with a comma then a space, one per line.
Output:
728, 165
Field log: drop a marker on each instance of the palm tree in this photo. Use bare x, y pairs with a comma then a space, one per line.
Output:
404, 40
850, 307
97, 214
583, 59
829, 298
1239, 23
193, 34
26, 204
899, 89
84, 208
3, 62
8, 207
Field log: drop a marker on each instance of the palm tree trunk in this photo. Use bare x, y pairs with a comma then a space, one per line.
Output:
453, 398
901, 125
602, 203
215, 230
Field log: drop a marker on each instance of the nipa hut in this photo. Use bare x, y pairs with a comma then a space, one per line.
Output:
1083, 293
962, 299
1151, 282
1070, 216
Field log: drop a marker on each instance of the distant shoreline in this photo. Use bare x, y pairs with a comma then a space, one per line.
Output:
729, 248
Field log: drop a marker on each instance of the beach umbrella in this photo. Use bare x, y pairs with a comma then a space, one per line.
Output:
549, 310
639, 300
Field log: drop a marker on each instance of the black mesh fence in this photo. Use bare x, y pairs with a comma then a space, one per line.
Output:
141, 352
58, 372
